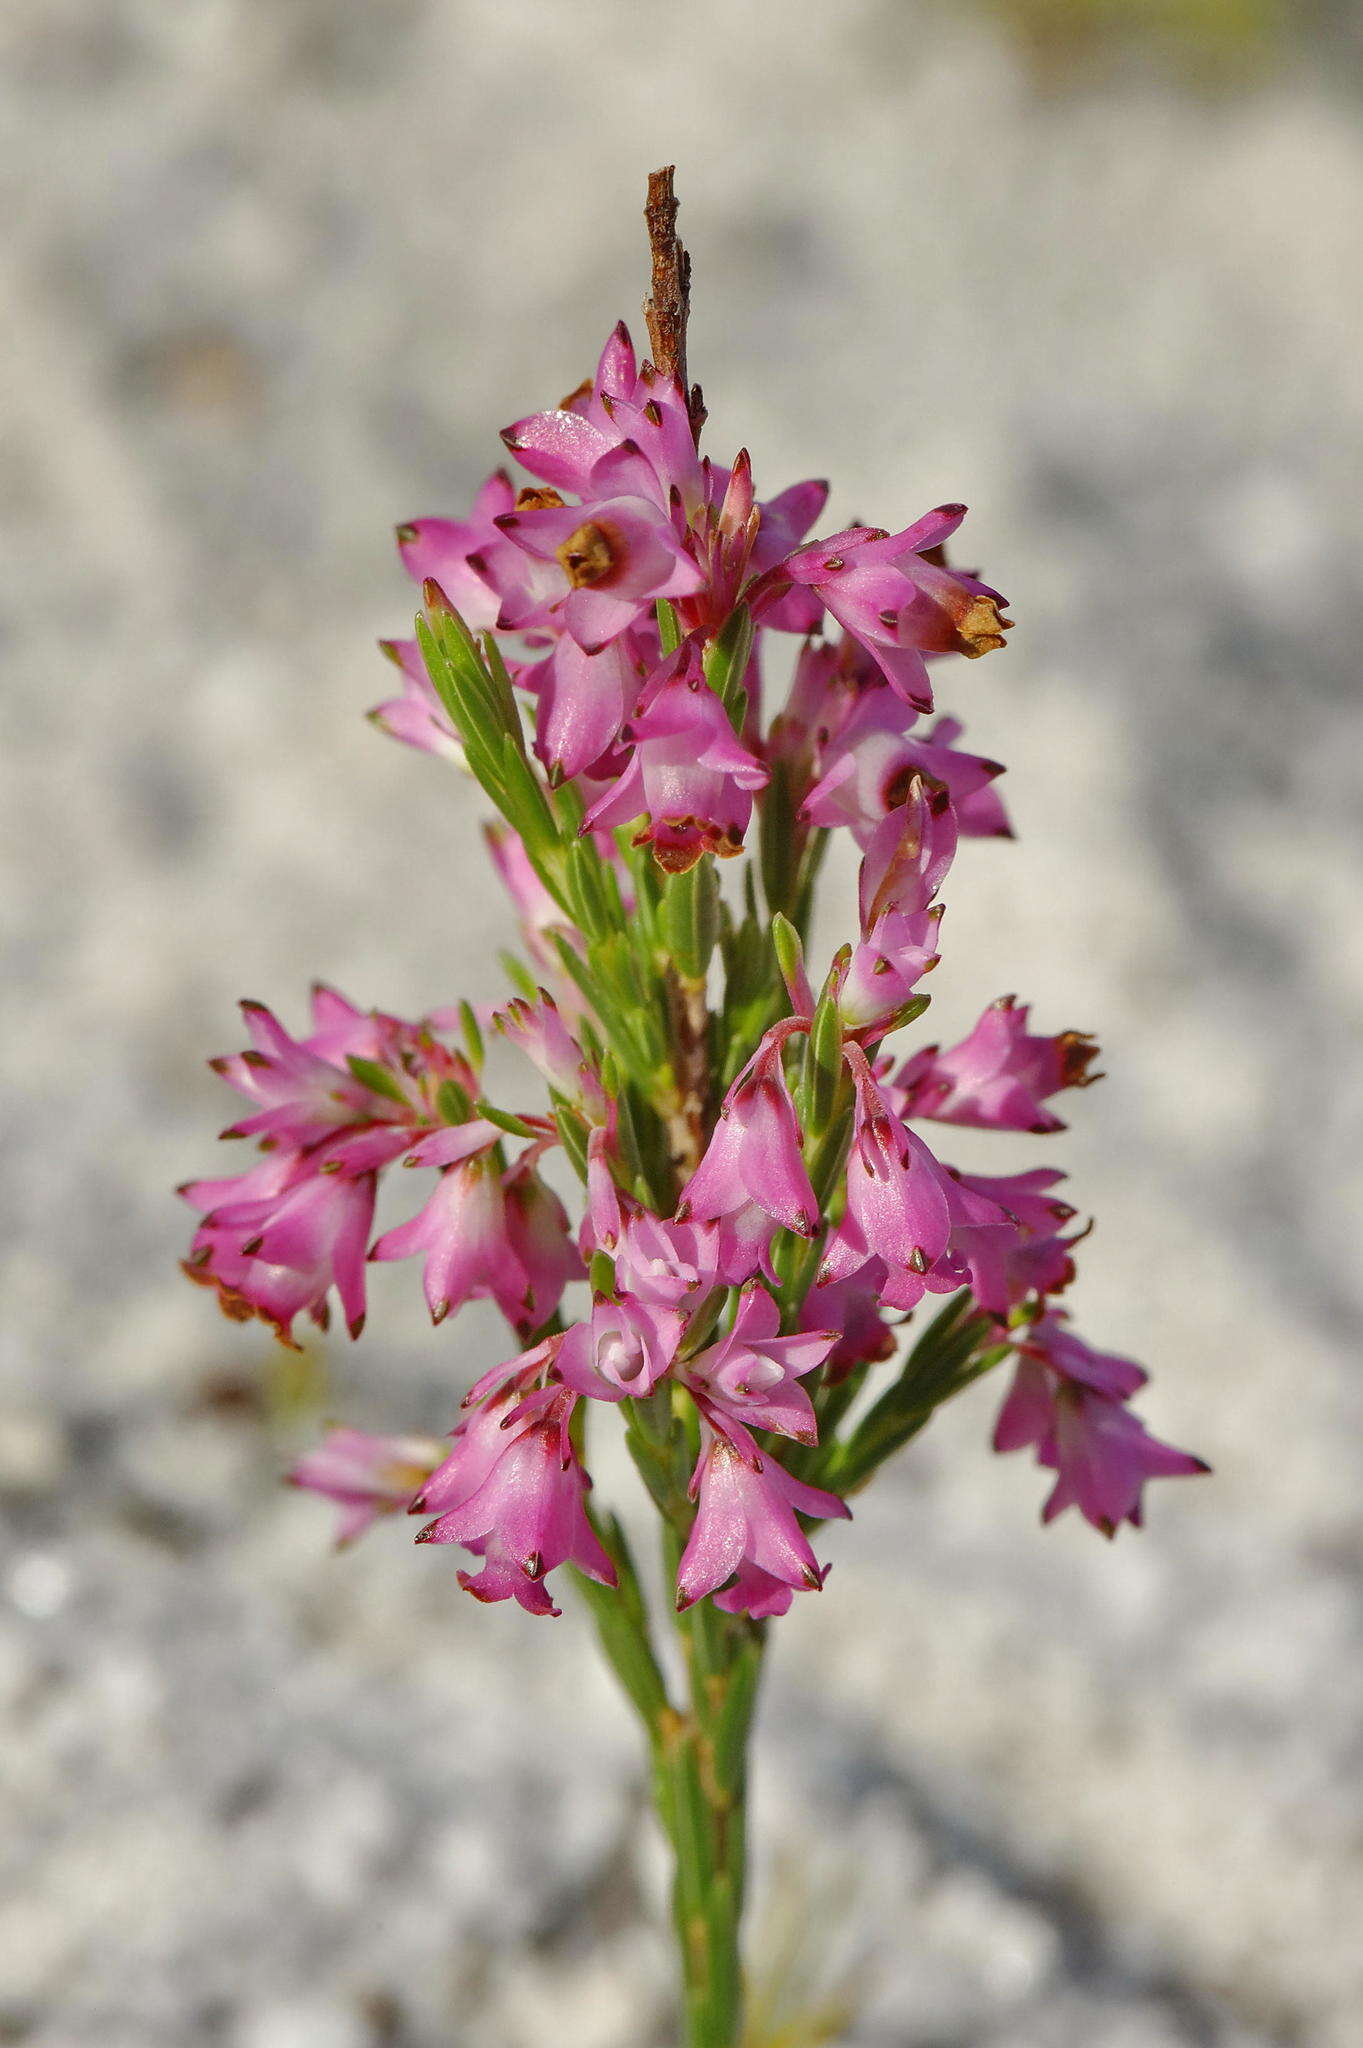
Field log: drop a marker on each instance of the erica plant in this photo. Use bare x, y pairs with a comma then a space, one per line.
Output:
763, 1205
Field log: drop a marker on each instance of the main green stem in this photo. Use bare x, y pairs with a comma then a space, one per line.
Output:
699, 1758
702, 1802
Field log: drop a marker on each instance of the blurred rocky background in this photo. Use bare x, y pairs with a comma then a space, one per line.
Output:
274, 271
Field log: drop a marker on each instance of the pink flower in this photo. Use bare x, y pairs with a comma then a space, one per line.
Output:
1068, 1401
513, 1492
540, 915
898, 1199
367, 1476
892, 593
753, 1175
751, 1375
304, 1097
689, 774
745, 1517
998, 1077
538, 1030
464, 1234
670, 1264
417, 717
906, 859
614, 556
1008, 1247
852, 1308
868, 767
438, 550
278, 1239
584, 700
540, 1238
624, 1350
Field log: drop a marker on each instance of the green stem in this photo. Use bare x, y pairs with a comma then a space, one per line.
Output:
723, 1656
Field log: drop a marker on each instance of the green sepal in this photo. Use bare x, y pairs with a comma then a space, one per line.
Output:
473, 1035
691, 917
453, 1104
372, 1075
726, 664
781, 840
601, 1274
790, 952
669, 629
573, 1131
505, 1120
526, 807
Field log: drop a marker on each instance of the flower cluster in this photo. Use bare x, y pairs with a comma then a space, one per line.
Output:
762, 1201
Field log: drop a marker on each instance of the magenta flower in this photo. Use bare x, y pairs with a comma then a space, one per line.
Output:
689, 774
753, 1175
872, 759
1006, 1258
367, 1476
540, 1239
417, 717
745, 1516
889, 592
852, 1308
625, 1349
538, 1030
898, 1199
1068, 1401
439, 551
464, 1234
751, 1375
304, 1097
674, 1265
513, 1492
906, 860
614, 557
584, 700
277, 1240
998, 1077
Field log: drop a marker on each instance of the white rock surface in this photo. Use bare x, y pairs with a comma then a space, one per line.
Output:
273, 277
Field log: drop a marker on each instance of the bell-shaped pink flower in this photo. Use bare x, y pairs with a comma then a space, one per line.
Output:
417, 717
538, 1030
868, 767
1005, 1239
745, 1516
540, 1237
439, 550
671, 1264
303, 1097
783, 522
584, 700
897, 1199
463, 1232
752, 1374
753, 1174
891, 592
615, 557
906, 859
367, 1476
852, 1308
563, 446
624, 1350
689, 774
276, 1241
998, 1077
1068, 1401
513, 1492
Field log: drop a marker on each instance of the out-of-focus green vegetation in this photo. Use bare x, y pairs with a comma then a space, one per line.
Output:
1209, 37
